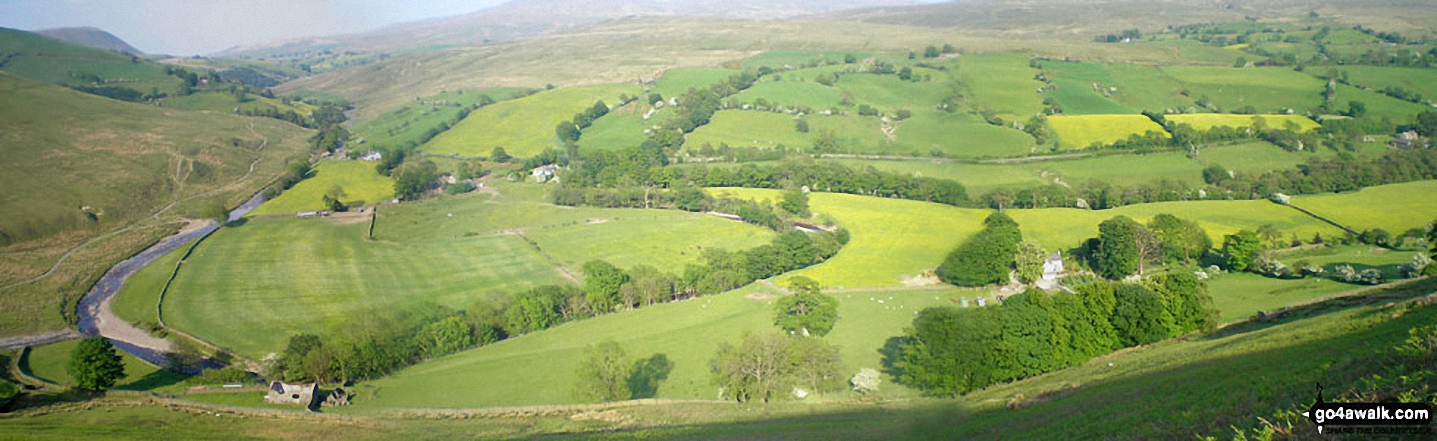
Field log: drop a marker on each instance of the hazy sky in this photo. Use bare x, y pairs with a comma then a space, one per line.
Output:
188, 27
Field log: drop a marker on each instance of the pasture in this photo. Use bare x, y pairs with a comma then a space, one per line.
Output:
624, 127
960, 135
788, 94
1084, 131
1003, 83
1064, 228
360, 182
1269, 90
1205, 121
1423, 81
523, 370
678, 81
50, 363
889, 93
747, 128
408, 125
227, 103
1379, 105
1394, 207
524, 126
310, 275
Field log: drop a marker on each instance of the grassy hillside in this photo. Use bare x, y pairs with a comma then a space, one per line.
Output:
1395, 208
79, 166
896, 240
410, 124
1128, 395
53, 61
525, 126
360, 182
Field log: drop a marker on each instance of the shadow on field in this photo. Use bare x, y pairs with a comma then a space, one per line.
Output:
1402, 291
155, 380
647, 373
1158, 392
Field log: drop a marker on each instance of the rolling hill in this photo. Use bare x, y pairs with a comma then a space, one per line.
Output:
78, 166
524, 18
90, 37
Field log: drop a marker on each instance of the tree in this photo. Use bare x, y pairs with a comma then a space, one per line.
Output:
1181, 240
603, 373
985, 258
647, 285
1241, 249
445, 337
1215, 174
95, 364
814, 365
332, 199
413, 178
1118, 254
1426, 123
753, 370
807, 311
1140, 316
1356, 109
794, 201
930, 52
8, 391
602, 281
1029, 261
499, 155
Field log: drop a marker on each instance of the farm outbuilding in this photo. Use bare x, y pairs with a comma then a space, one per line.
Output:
284, 393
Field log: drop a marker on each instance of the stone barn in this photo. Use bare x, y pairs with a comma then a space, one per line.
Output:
301, 394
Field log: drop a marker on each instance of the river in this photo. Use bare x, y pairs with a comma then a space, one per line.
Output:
90, 308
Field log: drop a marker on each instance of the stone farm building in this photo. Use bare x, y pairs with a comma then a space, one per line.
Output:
301, 394
545, 173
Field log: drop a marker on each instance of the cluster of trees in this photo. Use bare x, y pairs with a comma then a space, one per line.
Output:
951, 351
375, 344
641, 168
764, 366
1125, 247
987, 257
569, 131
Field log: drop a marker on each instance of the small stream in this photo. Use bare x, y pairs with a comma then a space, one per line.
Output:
109, 284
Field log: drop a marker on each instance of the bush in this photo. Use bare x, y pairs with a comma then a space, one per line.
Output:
9, 391
865, 381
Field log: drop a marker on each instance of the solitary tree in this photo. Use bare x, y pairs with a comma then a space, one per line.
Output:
603, 373
499, 155
807, 311
95, 364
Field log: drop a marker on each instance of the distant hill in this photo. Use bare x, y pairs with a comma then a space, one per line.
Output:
521, 18
91, 37
1096, 17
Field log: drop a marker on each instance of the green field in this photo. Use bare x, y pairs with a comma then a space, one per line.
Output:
892, 239
895, 239
1081, 88
624, 127
788, 94
1064, 228
1378, 105
889, 93
525, 126
360, 182
409, 124
1003, 83
747, 128
1423, 81
1205, 121
325, 273
1269, 90
50, 363
678, 81
960, 135
520, 371
1084, 131
1395, 207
